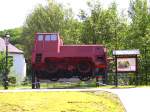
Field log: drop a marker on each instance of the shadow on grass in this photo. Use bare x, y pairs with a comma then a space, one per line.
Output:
70, 85
124, 87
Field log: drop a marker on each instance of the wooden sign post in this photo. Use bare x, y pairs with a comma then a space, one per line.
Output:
126, 61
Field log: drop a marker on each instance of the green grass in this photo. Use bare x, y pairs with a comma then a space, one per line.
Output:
73, 85
60, 102
80, 84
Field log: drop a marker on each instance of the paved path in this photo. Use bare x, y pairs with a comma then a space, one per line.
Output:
134, 99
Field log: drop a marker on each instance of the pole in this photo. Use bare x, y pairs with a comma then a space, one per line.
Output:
6, 70
116, 74
137, 76
6, 57
116, 39
146, 64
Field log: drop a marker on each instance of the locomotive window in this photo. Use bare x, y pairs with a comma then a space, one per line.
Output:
53, 37
47, 37
40, 37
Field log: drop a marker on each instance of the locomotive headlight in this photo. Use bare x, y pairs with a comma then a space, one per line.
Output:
100, 59
100, 62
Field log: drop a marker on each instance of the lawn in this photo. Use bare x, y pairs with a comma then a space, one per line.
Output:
60, 102
72, 86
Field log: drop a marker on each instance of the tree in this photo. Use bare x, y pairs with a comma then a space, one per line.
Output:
15, 36
50, 18
103, 26
3, 63
139, 26
72, 32
42, 19
138, 34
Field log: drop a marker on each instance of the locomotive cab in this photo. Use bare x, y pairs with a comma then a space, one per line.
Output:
45, 43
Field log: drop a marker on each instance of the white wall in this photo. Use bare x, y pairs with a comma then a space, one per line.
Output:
19, 66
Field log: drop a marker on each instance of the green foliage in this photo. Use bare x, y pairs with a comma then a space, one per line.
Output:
25, 82
2, 58
100, 25
12, 80
3, 62
14, 33
15, 38
97, 26
103, 26
50, 18
138, 31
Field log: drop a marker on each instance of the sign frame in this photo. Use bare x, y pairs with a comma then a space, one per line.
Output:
126, 54
127, 71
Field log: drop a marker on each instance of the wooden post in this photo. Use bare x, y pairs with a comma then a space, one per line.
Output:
137, 77
146, 65
116, 74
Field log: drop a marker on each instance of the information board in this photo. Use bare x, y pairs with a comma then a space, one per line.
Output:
126, 64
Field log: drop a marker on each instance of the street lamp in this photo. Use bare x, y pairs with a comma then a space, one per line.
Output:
6, 39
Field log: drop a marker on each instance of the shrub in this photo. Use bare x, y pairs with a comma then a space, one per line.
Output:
12, 80
25, 82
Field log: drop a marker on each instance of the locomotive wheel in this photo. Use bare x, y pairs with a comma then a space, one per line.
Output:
52, 67
54, 79
84, 78
84, 67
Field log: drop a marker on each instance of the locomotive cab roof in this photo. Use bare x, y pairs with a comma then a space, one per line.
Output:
47, 36
45, 33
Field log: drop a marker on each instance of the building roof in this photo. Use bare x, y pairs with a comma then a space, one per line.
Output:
126, 52
11, 48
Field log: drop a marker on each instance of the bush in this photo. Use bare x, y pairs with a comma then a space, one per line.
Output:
25, 82
12, 80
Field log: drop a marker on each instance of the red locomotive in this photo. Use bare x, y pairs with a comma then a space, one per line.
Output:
53, 60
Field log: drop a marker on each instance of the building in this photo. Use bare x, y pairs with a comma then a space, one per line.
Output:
19, 65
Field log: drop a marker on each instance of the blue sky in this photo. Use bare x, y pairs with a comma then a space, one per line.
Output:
13, 12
